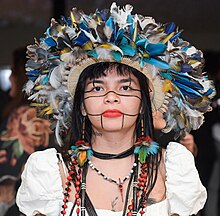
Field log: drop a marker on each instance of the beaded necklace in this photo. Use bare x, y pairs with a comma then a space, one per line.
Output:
119, 183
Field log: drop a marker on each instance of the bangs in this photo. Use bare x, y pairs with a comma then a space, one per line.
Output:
101, 69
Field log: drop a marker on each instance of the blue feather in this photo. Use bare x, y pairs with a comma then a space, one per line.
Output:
196, 56
131, 28
103, 14
119, 36
89, 153
92, 53
116, 55
128, 50
156, 49
166, 75
124, 41
169, 28
188, 83
186, 88
69, 21
142, 42
81, 39
50, 42
84, 26
153, 149
209, 92
110, 23
141, 62
45, 80
157, 63
137, 150
175, 36
53, 57
33, 73
185, 68
186, 93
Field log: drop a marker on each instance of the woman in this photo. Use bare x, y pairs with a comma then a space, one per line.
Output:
122, 71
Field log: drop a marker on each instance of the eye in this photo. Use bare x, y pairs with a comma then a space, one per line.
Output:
97, 88
125, 88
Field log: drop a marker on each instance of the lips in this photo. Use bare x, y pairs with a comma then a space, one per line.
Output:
112, 113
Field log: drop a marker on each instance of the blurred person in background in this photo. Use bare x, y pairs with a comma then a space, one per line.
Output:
21, 133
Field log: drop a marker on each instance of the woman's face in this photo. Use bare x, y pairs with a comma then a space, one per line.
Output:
112, 102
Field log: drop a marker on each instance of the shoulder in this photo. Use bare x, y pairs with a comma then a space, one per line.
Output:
41, 184
185, 193
48, 157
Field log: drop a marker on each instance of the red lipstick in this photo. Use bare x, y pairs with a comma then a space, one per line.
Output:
112, 113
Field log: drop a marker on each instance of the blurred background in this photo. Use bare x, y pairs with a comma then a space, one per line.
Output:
23, 20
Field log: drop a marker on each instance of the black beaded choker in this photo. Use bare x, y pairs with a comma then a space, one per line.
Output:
106, 156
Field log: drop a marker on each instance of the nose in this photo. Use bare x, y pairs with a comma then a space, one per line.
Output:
111, 97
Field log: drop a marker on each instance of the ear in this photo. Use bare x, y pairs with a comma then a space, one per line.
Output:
158, 120
83, 110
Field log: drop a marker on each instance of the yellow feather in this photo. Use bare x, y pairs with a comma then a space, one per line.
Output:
146, 55
65, 50
167, 87
73, 19
37, 104
193, 61
45, 71
48, 110
135, 32
106, 46
88, 46
167, 37
38, 87
82, 157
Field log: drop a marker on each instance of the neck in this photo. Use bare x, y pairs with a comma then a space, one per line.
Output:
113, 142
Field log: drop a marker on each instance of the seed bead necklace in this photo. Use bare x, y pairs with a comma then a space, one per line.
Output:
119, 183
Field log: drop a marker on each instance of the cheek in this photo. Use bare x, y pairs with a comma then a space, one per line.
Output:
132, 106
93, 106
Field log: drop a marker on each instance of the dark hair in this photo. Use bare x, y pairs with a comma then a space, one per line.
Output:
95, 71
18, 60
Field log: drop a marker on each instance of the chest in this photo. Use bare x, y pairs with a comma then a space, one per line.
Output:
105, 192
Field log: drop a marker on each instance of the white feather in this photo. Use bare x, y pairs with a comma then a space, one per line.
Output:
143, 22
56, 77
71, 32
68, 58
120, 15
29, 87
57, 134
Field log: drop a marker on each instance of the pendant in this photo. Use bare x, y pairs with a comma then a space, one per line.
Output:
120, 187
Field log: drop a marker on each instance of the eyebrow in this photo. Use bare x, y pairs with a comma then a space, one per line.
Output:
95, 81
120, 81
127, 80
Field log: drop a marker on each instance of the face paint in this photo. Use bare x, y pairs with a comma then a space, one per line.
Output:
112, 98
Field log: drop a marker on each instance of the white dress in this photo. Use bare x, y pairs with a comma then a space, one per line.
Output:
41, 189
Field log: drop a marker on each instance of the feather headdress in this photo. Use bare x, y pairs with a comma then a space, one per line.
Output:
172, 65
